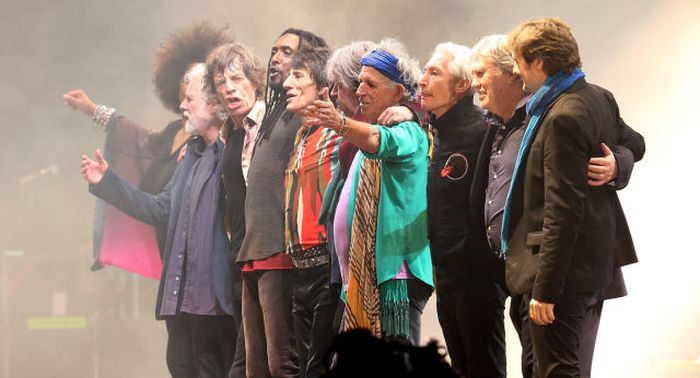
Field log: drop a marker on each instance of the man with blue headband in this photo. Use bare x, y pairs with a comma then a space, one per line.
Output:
563, 240
389, 266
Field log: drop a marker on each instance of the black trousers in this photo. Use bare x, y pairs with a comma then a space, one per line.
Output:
199, 345
472, 321
313, 310
238, 366
564, 348
268, 325
339, 306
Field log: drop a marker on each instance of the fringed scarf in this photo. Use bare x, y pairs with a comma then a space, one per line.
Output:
383, 309
362, 308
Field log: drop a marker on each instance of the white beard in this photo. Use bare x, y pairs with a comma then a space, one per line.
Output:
190, 127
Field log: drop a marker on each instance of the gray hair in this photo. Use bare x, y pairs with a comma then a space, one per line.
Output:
344, 65
461, 57
200, 69
409, 68
494, 48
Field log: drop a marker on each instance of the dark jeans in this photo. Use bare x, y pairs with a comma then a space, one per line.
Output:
339, 306
313, 312
520, 316
199, 345
267, 324
564, 348
472, 321
238, 366
418, 295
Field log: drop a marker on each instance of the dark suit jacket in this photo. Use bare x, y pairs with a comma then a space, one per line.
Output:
565, 235
164, 207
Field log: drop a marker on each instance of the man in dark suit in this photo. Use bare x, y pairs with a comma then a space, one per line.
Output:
501, 95
194, 297
562, 238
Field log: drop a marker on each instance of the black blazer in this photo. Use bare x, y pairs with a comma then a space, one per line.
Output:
567, 236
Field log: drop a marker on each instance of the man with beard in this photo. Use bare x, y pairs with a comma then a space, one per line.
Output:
144, 156
194, 296
266, 268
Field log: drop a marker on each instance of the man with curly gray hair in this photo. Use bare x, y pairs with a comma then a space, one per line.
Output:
389, 272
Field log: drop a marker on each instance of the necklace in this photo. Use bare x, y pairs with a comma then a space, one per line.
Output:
301, 146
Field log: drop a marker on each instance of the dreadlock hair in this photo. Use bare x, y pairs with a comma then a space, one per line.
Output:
178, 53
306, 38
275, 103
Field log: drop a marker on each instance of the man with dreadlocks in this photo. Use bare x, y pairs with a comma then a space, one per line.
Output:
266, 269
144, 156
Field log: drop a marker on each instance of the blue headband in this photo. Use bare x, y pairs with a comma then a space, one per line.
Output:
384, 62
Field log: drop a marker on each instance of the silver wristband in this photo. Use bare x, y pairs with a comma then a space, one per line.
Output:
101, 116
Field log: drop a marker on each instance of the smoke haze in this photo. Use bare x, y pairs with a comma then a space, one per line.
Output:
646, 52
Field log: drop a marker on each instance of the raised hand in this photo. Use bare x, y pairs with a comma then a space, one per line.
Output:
79, 100
322, 113
93, 171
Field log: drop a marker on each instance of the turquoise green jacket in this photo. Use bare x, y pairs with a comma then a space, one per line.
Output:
402, 224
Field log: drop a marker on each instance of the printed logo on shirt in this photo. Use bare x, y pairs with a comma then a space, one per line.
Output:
456, 167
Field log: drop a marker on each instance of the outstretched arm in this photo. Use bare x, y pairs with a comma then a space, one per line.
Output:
363, 135
79, 100
107, 185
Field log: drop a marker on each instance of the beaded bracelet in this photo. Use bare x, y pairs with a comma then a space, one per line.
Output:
101, 116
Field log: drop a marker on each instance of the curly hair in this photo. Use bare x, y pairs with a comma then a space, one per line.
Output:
547, 38
178, 53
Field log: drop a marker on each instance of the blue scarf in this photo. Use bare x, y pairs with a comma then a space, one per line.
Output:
540, 100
